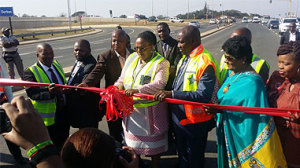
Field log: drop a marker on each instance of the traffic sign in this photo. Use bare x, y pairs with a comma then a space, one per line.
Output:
6, 11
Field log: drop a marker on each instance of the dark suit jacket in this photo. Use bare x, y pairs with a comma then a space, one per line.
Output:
286, 37
37, 93
173, 55
83, 110
108, 65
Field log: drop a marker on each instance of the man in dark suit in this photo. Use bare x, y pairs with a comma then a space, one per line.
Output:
291, 35
49, 101
167, 47
83, 109
110, 64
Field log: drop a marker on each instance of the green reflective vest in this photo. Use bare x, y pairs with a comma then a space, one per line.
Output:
256, 64
46, 108
134, 79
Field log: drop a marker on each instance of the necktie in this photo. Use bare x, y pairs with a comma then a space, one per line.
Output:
60, 98
53, 76
165, 49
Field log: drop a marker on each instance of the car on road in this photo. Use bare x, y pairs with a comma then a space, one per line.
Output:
195, 23
212, 21
255, 19
152, 19
273, 24
245, 20
250, 20
174, 19
265, 19
285, 22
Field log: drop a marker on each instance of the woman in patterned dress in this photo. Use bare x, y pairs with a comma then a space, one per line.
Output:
145, 71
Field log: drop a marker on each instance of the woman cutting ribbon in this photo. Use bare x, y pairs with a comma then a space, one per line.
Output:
244, 140
145, 71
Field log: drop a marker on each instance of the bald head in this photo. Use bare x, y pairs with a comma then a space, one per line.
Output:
119, 41
244, 32
44, 53
119, 32
188, 39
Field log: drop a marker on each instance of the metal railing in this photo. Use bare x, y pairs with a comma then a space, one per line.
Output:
33, 34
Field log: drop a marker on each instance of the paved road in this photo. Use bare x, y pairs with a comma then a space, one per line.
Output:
265, 43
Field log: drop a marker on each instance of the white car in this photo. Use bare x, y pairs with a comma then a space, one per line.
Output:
245, 20
285, 22
255, 20
174, 19
212, 21
195, 23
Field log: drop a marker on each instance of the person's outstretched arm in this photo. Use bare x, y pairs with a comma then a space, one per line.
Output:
28, 130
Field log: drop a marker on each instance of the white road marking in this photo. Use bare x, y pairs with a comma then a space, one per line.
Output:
99, 49
63, 48
28, 53
58, 57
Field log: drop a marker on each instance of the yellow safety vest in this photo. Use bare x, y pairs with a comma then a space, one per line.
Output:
134, 79
46, 108
199, 60
256, 64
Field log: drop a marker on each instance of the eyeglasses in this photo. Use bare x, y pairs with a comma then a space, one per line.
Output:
141, 49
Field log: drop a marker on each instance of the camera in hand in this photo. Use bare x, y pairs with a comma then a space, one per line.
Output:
5, 125
4, 121
123, 153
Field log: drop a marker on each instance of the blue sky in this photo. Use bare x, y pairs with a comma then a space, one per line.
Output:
160, 7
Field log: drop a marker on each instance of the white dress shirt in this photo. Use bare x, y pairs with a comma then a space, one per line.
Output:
77, 66
292, 36
122, 59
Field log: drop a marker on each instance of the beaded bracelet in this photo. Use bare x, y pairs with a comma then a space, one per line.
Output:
38, 147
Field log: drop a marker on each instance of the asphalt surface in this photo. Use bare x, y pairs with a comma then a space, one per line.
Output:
265, 43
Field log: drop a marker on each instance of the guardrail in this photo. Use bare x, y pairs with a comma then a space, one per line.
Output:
33, 34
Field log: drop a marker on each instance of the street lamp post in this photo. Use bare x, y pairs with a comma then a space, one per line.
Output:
152, 7
69, 14
187, 15
167, 9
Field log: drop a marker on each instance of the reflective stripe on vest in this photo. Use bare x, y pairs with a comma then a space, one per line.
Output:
46, 108
144, 76
195, 69
256, 64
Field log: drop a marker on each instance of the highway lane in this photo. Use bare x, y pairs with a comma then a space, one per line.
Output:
63, 50
264, 42
100, 42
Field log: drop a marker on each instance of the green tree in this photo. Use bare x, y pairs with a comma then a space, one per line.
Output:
123, 16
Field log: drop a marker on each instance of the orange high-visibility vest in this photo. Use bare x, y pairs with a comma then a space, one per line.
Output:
200, 59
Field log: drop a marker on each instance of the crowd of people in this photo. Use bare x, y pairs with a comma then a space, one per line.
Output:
180, 69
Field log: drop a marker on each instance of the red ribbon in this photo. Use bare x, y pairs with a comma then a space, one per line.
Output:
119, 105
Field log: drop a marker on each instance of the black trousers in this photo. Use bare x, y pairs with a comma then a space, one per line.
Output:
59, 131
115, 129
